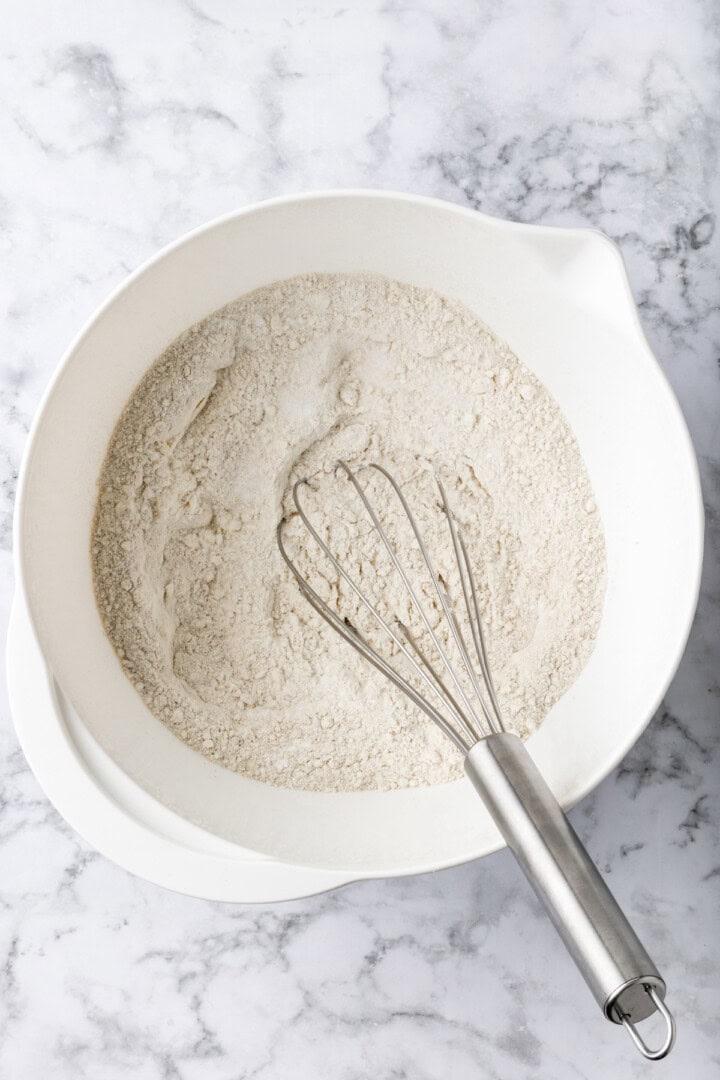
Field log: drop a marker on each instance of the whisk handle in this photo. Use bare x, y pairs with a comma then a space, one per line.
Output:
612, 960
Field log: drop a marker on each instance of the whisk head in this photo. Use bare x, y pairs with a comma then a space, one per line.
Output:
459, 698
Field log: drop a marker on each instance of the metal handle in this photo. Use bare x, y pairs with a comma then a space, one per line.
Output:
625, 982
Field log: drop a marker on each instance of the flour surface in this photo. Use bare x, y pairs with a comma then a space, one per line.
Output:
205, 618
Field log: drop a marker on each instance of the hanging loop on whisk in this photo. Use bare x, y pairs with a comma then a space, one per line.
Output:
667, 1044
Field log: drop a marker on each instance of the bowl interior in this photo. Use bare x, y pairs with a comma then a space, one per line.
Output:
561, 301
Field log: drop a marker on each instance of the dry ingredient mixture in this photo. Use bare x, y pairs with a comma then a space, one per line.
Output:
206, 619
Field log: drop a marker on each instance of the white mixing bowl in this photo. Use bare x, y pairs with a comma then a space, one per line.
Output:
561, 300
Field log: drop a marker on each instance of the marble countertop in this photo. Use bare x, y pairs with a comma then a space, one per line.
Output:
123, 126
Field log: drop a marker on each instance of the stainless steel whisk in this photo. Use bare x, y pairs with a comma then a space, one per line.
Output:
608, 953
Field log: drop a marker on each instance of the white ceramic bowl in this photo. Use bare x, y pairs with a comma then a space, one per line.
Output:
561, 300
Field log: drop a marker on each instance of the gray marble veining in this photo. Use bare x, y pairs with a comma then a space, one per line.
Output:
124, 126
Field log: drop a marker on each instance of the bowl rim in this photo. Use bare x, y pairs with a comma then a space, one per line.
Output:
652, 365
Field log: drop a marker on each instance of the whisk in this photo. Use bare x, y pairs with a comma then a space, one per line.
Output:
462, 701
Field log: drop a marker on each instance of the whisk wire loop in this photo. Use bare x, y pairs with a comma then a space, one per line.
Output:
476, 732
459, 719
353, 637
479, 637
444, 599
493, 716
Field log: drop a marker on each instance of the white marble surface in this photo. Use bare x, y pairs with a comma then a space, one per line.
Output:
122, 126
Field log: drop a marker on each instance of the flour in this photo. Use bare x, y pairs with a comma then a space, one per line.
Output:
205, 617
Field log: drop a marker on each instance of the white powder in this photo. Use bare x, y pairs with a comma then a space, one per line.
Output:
205, 617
